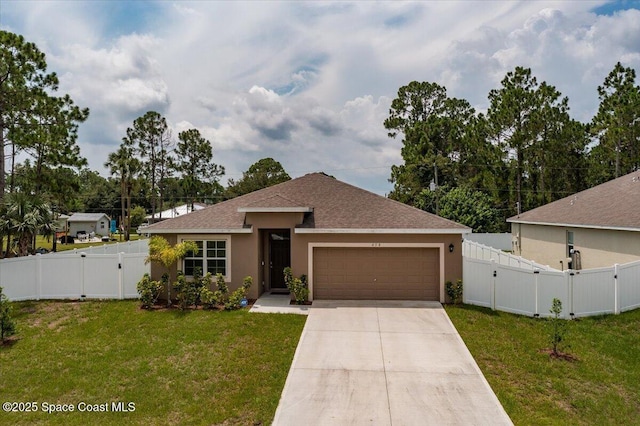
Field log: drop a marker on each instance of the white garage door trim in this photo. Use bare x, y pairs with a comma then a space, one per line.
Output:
439, 246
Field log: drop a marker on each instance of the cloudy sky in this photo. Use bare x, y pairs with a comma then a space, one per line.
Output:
310, 83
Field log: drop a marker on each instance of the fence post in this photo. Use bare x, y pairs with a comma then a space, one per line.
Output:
120, 276
493, 284
616, 294
38, 276
536, 274
82, 258
570, 276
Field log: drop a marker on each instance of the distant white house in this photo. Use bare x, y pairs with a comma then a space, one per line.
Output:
175, 212
87, 223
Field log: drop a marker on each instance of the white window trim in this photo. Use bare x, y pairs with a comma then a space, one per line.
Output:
439, 246
211, 237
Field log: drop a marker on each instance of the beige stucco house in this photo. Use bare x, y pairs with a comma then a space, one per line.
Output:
595, 228
351, 243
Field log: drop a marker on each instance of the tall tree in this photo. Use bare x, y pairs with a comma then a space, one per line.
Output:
194, 155
49, 136
30, 117
262, 174
616, 126
124, 167
438, 136
515, 125
151, 138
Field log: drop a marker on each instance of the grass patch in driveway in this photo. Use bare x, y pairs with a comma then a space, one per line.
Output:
198, 367
601, 387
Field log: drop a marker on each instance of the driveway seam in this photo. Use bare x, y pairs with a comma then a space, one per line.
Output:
384, 368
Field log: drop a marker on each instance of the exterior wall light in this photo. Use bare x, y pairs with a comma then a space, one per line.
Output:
451, 248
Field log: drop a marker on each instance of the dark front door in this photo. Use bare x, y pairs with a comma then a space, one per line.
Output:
279, 257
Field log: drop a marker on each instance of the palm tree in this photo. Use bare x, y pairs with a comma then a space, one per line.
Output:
162, 252
124, 166
24, 217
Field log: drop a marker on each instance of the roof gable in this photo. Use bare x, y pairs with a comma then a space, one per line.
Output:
333, 205
611, 205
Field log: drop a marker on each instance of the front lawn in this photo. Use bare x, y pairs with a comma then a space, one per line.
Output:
198, 367
601, 387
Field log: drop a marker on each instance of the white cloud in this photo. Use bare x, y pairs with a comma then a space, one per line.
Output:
310, 83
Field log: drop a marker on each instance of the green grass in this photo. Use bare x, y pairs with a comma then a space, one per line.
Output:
42, 242
199, 367
601, 387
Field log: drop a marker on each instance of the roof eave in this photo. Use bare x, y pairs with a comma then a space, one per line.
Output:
382, 231
150, 230
574, 225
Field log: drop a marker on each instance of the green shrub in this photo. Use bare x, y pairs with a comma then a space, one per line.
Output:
149, 291
288, 276
236, 298
300, 290
222, 293
454, 291
7, 324
208, 298
204, 293
184, 295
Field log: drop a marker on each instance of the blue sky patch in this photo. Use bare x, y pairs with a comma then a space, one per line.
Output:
616, 6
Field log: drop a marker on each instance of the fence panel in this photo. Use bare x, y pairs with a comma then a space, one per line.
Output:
477, 276
500, 241
629, 286
515, 290
552, 285
19, 278
101, 276
61, 277
593, 292
133, 268
138, 246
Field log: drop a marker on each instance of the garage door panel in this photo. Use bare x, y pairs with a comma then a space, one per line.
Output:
376, 273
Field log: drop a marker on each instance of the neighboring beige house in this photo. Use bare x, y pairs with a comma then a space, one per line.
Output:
97, 223
595, 228
351, 243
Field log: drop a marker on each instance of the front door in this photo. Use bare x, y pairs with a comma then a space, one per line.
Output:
279, 258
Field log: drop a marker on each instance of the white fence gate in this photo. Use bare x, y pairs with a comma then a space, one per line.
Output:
491, 280
73, 276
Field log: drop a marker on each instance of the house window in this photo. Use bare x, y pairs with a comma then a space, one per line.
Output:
211, 257
101, 225
569, 243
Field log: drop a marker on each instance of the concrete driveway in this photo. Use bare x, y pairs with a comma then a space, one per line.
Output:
384, 363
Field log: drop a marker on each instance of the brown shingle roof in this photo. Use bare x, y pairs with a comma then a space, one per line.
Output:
611, 205
336, 205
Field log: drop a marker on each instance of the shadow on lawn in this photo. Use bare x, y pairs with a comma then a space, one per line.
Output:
481, 309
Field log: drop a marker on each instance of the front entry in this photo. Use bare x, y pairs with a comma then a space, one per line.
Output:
279, 258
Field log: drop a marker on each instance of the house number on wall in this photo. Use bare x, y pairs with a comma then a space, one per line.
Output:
376, 244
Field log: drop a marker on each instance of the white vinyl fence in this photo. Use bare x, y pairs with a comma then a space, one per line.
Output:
473, 250
73, 276
138, 246
526, 290
500, 241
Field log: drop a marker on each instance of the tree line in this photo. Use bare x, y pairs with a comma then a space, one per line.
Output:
525, 151
46, 174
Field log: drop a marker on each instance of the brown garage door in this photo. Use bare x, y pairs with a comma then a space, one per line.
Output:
376, 273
